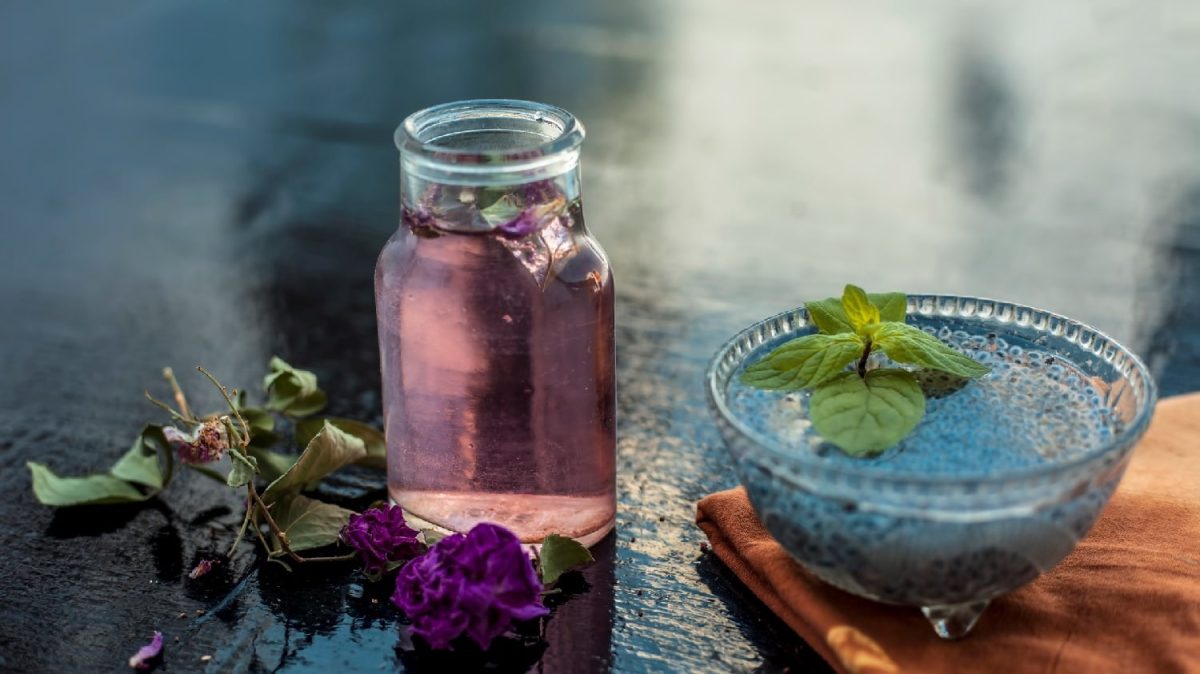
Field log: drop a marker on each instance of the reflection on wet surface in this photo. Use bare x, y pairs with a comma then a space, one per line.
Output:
209, 182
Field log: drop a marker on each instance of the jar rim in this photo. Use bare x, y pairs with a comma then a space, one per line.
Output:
540, 136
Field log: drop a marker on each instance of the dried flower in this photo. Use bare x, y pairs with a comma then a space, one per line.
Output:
381, 536
205, 445
143, 659
477, 585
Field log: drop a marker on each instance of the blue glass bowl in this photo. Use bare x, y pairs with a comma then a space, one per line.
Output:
946, 544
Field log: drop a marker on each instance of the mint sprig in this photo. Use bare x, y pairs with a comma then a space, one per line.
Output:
863, 411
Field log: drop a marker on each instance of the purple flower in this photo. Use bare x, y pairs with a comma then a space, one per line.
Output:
205, 445
477, 585
417, 218
143, 659
540, 191
532, 218
380, 535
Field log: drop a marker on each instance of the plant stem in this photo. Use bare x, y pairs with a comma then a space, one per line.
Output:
168, 409
862, 362
180, 399
245, 440
240, 535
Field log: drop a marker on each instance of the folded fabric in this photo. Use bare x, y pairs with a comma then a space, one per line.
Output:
1126, 600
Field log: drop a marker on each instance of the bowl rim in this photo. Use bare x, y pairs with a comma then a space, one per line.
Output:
1119, 443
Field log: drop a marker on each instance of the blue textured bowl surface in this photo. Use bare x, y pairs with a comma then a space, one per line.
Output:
928, 540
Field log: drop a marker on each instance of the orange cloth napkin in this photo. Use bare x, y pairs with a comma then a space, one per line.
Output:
1126, 600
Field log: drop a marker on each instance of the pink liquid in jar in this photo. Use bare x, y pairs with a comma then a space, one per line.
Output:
496, 344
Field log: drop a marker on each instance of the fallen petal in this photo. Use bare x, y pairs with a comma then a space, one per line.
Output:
142, 660
202, 568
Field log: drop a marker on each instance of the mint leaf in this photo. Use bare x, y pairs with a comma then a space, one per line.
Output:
559, 555
829, 316
372, 438
892, 306
908, 344
864, 416
858, 307
291, 391
145, 461
804, 362
329, 450
307, 522
52, 490
486, 196
505, 209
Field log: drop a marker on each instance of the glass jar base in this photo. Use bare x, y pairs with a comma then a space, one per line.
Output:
954, 621
532, 517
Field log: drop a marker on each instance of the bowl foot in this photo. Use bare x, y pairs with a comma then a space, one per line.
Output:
954, 621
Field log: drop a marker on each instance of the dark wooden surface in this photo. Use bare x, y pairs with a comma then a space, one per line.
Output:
189, 182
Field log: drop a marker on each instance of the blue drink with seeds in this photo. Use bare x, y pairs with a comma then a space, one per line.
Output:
998, 481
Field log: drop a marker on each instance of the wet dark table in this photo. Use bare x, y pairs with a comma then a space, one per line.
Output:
189, 182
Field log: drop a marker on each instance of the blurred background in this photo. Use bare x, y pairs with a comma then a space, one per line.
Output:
189, 181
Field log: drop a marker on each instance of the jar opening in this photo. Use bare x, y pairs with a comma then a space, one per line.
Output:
461, 142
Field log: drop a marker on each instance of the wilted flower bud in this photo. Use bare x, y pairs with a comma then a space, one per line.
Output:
204, 445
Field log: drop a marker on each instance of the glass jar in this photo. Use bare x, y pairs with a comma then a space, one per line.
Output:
495, 312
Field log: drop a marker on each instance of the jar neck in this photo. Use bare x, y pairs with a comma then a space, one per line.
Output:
483, 165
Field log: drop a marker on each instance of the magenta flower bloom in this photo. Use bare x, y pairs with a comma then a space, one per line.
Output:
144, 659
204, 445
381, 536
478, 585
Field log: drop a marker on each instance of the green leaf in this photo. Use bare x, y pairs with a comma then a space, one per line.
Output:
858, 307
307, 522
865, 416
271, 464
829, 316
432, 536
329, 450
892, 306
372, 438
486, 196
258, 418
292, 391
559, 555
52, 490
804, 362
908, 344
243, 469
505, 209
145, 461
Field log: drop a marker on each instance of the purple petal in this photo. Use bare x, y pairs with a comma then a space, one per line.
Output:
142, 660
202, 568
